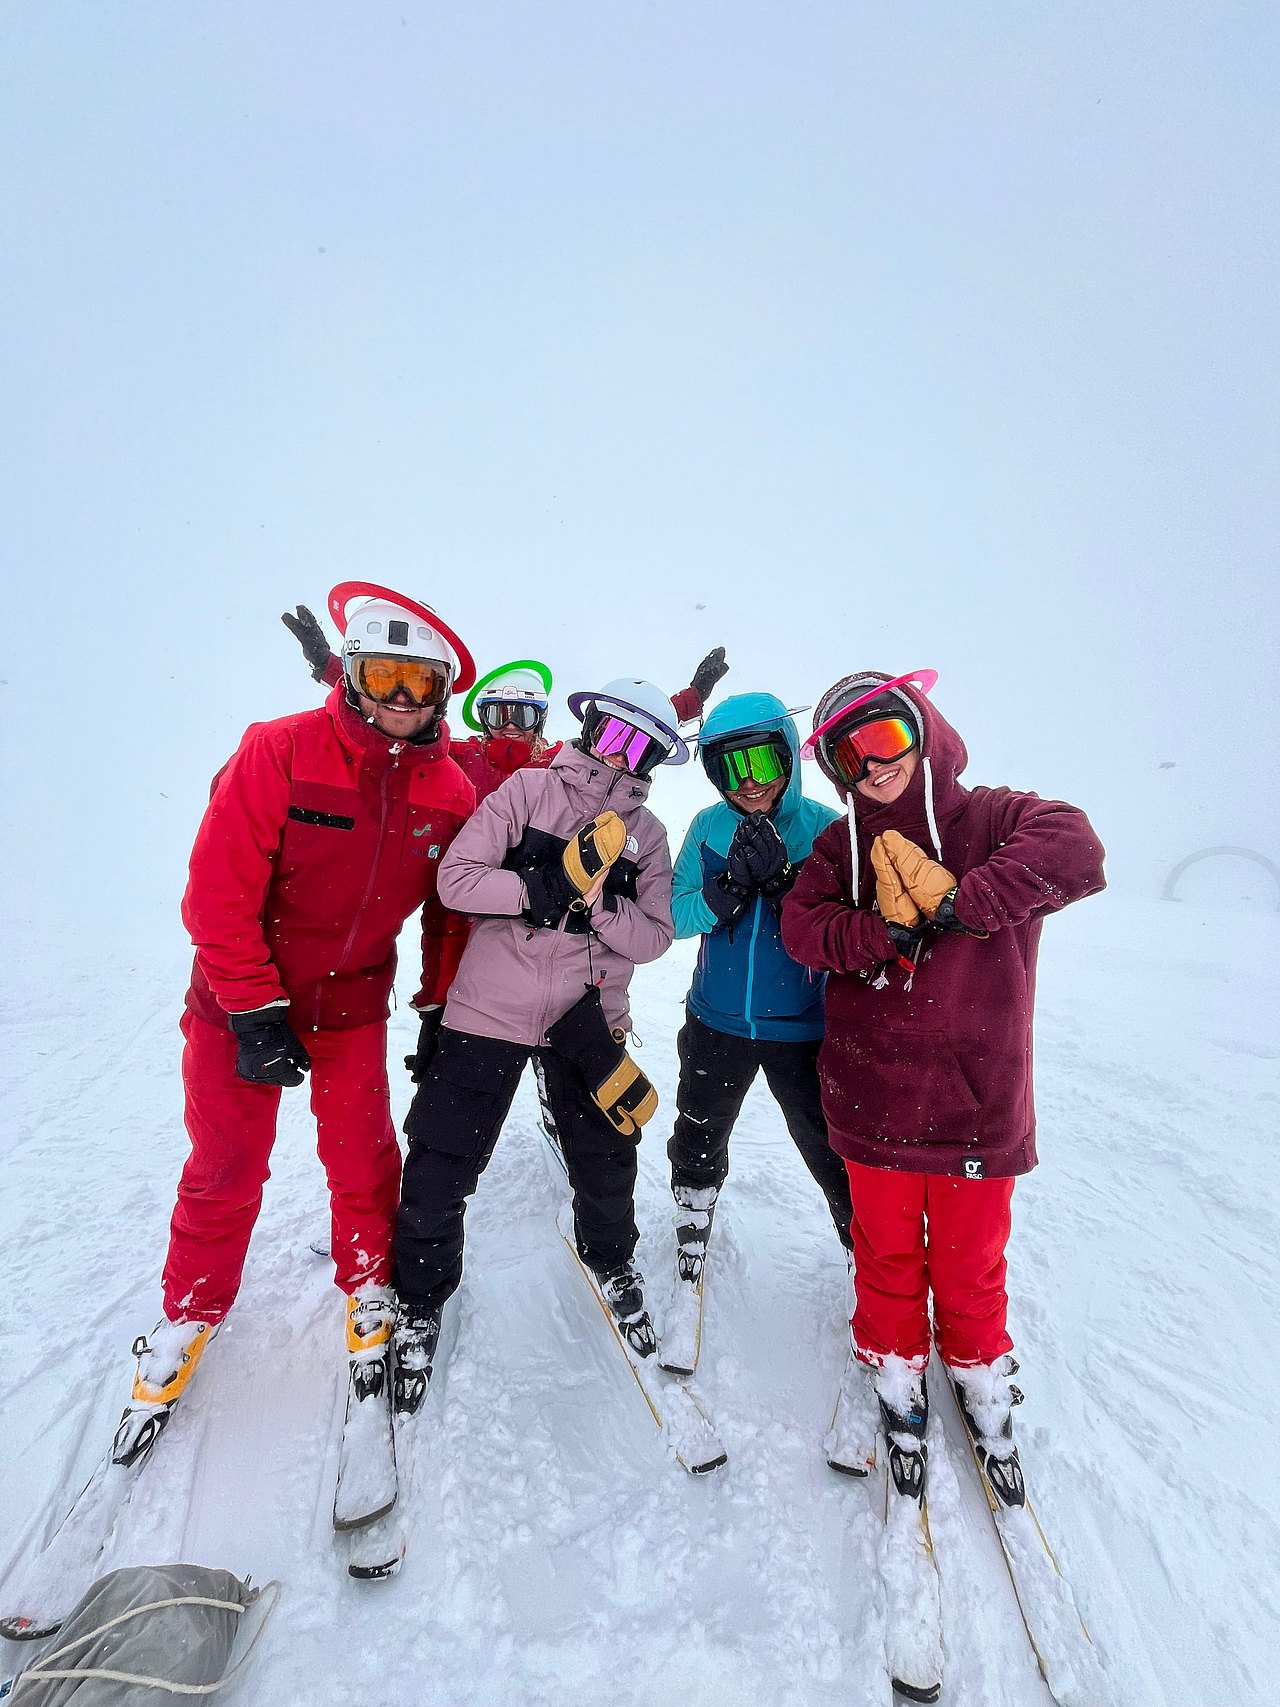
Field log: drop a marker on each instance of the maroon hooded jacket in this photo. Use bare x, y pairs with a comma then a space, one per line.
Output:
932, 1074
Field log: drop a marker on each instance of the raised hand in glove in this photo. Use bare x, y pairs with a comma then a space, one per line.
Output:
576, 879
311, 637
711, 670
593, 850
428, 1037
757, 857
892, 896
927, 883
268, 1051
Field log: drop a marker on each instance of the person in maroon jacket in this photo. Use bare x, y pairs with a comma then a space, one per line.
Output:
508, 739
924, 908
323, 833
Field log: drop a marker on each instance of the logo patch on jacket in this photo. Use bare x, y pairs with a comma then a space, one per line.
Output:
973, 1168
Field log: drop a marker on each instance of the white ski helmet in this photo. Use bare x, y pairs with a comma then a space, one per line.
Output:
641, 704
391, 631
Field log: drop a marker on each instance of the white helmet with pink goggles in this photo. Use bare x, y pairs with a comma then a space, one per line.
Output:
646, 708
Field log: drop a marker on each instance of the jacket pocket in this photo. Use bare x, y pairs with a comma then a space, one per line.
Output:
903, 1084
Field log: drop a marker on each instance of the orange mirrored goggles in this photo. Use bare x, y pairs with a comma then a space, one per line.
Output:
879, 742
384, 678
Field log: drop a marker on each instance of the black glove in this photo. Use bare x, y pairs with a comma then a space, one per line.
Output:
726, 899
269, 1052
758, 856
908, 942
428, 1037
311, 637
550, 893
709, 672
946, 920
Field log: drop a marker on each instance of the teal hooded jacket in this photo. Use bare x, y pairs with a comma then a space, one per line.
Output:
745, 982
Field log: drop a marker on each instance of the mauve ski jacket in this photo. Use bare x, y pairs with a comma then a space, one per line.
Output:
321, 837
516, 980
933, 1074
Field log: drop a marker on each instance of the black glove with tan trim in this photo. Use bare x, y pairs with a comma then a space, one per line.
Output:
618, 1087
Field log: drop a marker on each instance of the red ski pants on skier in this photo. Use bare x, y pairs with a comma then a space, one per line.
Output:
232, 1127
916, 1233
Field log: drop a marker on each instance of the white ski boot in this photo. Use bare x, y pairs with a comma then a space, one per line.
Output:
987, 1395
416, 1339
167, 1360
623, 1292
695, 1211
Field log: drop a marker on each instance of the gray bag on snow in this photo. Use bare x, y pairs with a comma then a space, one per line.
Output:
152, 1633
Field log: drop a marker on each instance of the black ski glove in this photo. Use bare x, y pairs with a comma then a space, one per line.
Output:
269, 1052
726, 899
946, 920
709, 672
758, 856
311, 637
550, 892
908, 942
428, 1037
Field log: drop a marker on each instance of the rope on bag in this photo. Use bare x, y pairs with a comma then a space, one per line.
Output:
268, 1595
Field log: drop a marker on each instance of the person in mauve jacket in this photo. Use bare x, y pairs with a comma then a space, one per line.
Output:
510, 706
751, 1006
324, 832
924, 910
567, 879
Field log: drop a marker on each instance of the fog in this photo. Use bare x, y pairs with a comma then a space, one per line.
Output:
843, 335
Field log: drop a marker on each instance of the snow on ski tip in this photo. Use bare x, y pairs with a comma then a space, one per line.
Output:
850, 1443
367, 1484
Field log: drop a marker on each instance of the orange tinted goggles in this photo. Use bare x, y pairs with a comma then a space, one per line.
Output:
383, 678
881, 742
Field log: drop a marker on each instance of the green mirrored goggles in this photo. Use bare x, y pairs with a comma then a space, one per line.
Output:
730, 768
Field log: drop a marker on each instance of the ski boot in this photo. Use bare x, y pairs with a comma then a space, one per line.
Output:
166, 1362
904, 1414
416, 1337
695, 1210
371, 1317
623, 1292
986, 1396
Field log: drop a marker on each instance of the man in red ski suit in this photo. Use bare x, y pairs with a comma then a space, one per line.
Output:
930, 950
323, 833
490, 758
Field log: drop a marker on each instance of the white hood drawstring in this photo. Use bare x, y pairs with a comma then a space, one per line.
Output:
853, 848
929, 813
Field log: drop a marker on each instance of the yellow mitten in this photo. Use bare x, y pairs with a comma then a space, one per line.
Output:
891, 892
594, 849
928, 883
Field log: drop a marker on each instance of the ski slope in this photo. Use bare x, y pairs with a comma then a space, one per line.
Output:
559, 1554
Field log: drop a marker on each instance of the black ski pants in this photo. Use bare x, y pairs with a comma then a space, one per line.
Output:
453, 1126
716, 1071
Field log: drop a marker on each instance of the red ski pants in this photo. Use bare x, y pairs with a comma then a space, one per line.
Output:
916, 1233
232, 1127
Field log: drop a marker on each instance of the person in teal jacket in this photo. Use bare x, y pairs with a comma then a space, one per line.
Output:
751, 1006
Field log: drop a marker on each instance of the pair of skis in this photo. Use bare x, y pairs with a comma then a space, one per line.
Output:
914, 1650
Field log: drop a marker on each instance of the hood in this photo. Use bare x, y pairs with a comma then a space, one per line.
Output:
594, 786
744, 713
935, 792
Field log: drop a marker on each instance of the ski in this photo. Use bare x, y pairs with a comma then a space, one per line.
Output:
377, 1550
682, 1330
367, 1482
850, 1443
1061, 1643
684, 1424
908, 1570
61, 1571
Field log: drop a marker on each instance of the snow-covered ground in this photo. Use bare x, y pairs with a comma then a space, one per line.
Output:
559, 1554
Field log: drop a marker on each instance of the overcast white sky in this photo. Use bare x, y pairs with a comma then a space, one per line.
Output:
844, 334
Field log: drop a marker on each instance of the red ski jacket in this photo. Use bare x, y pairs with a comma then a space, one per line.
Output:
321, 836
933, 1074
488, 760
